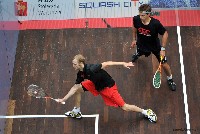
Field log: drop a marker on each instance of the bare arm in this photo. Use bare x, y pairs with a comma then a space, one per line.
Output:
164, 42
71, 92
164, 39
134, 33
134, 37
112, 63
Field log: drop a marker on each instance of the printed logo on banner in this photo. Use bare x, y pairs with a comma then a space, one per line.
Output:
108, 4
49, 7
20, 8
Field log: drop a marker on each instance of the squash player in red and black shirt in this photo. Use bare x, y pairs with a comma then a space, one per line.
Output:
145, 36
93, 78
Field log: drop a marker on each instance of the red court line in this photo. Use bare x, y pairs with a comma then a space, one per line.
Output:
167, 17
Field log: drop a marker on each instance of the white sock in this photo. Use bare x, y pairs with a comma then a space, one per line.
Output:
76, 109
169, 77
144, 112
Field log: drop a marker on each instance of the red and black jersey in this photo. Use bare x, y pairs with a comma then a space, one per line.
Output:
147, 35
98, 76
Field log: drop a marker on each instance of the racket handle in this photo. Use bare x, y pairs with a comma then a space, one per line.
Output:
63, 102
60, 102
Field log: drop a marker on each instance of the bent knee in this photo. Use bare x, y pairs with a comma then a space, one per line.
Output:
79, 88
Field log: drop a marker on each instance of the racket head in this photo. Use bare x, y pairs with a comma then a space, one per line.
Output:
157, 79
157, 75
35, 91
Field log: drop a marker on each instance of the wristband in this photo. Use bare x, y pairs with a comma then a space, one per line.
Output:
162, 49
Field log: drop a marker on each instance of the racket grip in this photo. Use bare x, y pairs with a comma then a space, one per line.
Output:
60, 102
63, 102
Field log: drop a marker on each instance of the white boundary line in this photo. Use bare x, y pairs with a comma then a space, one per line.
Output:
183, 75
53, 116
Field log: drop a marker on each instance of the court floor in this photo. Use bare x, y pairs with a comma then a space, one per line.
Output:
43, 57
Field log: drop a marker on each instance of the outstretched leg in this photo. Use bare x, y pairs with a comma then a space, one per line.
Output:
148, 113
133, 108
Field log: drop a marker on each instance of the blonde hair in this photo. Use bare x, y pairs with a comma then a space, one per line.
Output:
80, 58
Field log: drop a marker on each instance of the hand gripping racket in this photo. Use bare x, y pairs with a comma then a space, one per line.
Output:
157, 75
37, 92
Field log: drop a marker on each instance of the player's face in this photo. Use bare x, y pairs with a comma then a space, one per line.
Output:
143, 16
76, 64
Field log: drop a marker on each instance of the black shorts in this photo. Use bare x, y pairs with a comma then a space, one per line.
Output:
156, 53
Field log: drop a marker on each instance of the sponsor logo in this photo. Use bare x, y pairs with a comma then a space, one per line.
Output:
144, 31
106, 4
21, 8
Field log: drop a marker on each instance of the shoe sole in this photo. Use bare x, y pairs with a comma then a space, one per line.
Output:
73, 116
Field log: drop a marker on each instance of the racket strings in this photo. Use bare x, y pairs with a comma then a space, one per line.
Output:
157, 75
156, 80
35, 91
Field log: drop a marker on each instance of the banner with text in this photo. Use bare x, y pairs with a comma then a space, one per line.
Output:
68, 9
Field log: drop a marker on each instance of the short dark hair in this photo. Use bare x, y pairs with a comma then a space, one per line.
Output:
145, 7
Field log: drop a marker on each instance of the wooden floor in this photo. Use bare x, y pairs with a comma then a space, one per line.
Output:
43, 57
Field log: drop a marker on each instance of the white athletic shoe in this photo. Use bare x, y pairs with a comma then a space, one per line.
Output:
151, 115
73, 114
